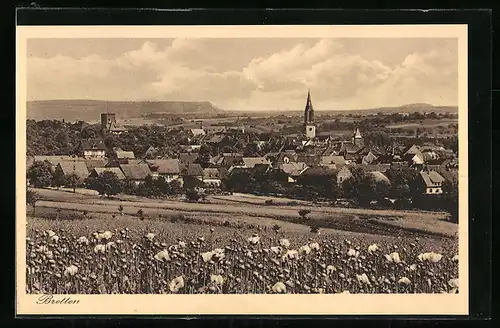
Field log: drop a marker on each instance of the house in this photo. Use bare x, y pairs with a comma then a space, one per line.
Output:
70, 167
368, 158
252, 161
215, 129
151, 152
231, 159
332, 160
293, 170
93, 148
343, 174
135, 172
188, 158
309, 159
93, 163
197, 133
96, 172
191, 170
166, 168
212, 177
433, 182
123, 157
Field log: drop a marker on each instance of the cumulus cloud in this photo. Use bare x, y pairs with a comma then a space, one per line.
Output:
337, 79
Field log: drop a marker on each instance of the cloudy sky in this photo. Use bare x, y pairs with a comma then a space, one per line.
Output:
247, 74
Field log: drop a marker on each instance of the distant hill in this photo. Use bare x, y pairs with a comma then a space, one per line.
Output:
90, 110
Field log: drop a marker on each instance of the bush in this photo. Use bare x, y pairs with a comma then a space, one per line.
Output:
304, 212
269, 202
192, 195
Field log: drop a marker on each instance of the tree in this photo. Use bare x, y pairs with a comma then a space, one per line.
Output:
58, 178
175, 187
192, 195
31, 198
450, 194
40, 174
73, 180
106, 184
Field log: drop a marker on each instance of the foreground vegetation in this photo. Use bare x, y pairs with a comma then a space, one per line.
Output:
134, 256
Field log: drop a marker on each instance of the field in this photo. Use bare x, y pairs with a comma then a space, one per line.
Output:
80, 243
427, 123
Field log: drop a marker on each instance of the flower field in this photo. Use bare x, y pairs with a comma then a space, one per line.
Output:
136, 260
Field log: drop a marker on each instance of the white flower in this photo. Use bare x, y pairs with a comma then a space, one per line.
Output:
346, 292
393, 257
217, 279
254, 240
352, 252
363, 278
99, 249
50, 233
314, 246
83, 240
291, 254
106, 235
276, 249
285, 243
162, 256
431, 257
279, 287
372, 248
330, 269
207, 256
150, 236
55, 238
455, 258
404, 281
305, 249
70, 271
413, 267
453, 283
182, 244
176, 284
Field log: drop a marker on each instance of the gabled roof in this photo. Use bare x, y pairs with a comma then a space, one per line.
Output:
93, 163
188, 157
217, 138
54, 160
125, 154
116, 170
431, 178
77, 167
309, 159
252, 161
337, 160
191, 169
164, 166
349, 148
93, 144
135, 171
293, 169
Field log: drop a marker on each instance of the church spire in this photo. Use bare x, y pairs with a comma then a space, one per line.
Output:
309, 110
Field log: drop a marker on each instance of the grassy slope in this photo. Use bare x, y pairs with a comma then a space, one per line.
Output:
248, 208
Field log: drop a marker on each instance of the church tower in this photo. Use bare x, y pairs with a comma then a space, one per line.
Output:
357, 139
309, 125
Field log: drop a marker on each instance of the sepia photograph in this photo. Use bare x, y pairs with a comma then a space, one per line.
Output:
243, 162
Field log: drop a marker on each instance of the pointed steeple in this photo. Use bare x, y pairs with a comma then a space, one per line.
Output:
357, 134
309, 110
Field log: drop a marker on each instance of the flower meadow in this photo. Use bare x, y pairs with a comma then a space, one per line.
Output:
133, 261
